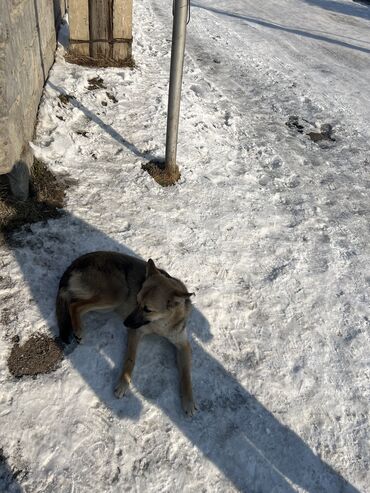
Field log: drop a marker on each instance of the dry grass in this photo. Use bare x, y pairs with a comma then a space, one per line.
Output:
46, 200
163, 177
88, 61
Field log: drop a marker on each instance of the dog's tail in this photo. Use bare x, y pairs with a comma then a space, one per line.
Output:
63, 316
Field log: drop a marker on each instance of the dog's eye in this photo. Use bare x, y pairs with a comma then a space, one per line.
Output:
146, 309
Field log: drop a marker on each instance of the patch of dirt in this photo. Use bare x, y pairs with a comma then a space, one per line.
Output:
6, 316
39, 354
47, 196
324, 134
111, 97
6, 282
316, 136
87, 61
163, 177
96, 83
65, 98
294, 124
81, 132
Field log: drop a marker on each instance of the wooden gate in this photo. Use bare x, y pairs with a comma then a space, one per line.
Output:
101, 30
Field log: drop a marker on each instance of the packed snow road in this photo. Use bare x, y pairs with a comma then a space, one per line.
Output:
321, 45
269, 225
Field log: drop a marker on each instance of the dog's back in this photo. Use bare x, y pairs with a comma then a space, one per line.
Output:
96, 281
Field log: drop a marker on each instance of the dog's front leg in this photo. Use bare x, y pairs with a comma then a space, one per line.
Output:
184, 364
133, 339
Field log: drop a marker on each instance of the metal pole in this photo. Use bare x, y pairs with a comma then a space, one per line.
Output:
174, 95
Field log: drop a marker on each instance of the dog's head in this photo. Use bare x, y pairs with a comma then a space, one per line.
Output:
160, 298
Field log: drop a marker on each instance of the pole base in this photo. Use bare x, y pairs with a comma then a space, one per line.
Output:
161, 174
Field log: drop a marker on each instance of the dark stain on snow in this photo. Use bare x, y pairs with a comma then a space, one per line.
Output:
294, 124
39, 354
96, 83
275, 273
325, 132
65, 98
111, 97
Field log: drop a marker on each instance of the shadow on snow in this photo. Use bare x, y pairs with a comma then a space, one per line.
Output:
279, 27
234, 431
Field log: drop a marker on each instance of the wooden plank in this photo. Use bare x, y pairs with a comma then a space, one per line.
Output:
122, 19
79, 19
121, 51
101, 28
78, 15
79, 48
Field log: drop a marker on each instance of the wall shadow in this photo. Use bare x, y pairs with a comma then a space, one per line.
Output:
57, 14
279, 27
232, 429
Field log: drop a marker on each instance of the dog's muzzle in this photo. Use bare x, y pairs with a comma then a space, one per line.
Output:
136, 320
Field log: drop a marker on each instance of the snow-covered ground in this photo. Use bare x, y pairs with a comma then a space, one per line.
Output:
270, 229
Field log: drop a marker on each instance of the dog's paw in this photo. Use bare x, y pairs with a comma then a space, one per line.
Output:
78, 338
189, 407
121, 389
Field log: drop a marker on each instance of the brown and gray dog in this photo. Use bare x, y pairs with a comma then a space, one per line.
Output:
148, 299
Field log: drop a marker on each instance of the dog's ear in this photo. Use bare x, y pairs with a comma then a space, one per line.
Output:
151, 269
179, 295
183, 294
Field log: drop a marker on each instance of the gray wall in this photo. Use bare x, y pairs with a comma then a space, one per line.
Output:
27, 47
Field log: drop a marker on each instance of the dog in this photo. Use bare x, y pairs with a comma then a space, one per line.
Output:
148, 299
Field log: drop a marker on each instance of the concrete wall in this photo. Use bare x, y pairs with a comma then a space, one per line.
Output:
27, 47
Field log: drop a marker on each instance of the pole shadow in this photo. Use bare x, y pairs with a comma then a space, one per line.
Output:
104, 126
343, 8
232, 429
279, 27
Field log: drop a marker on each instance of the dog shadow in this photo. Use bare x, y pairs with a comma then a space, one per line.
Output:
232, 429
8, 476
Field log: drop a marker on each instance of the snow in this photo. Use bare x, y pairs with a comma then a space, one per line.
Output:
270, 229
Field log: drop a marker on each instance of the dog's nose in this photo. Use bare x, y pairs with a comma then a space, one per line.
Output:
135, 320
